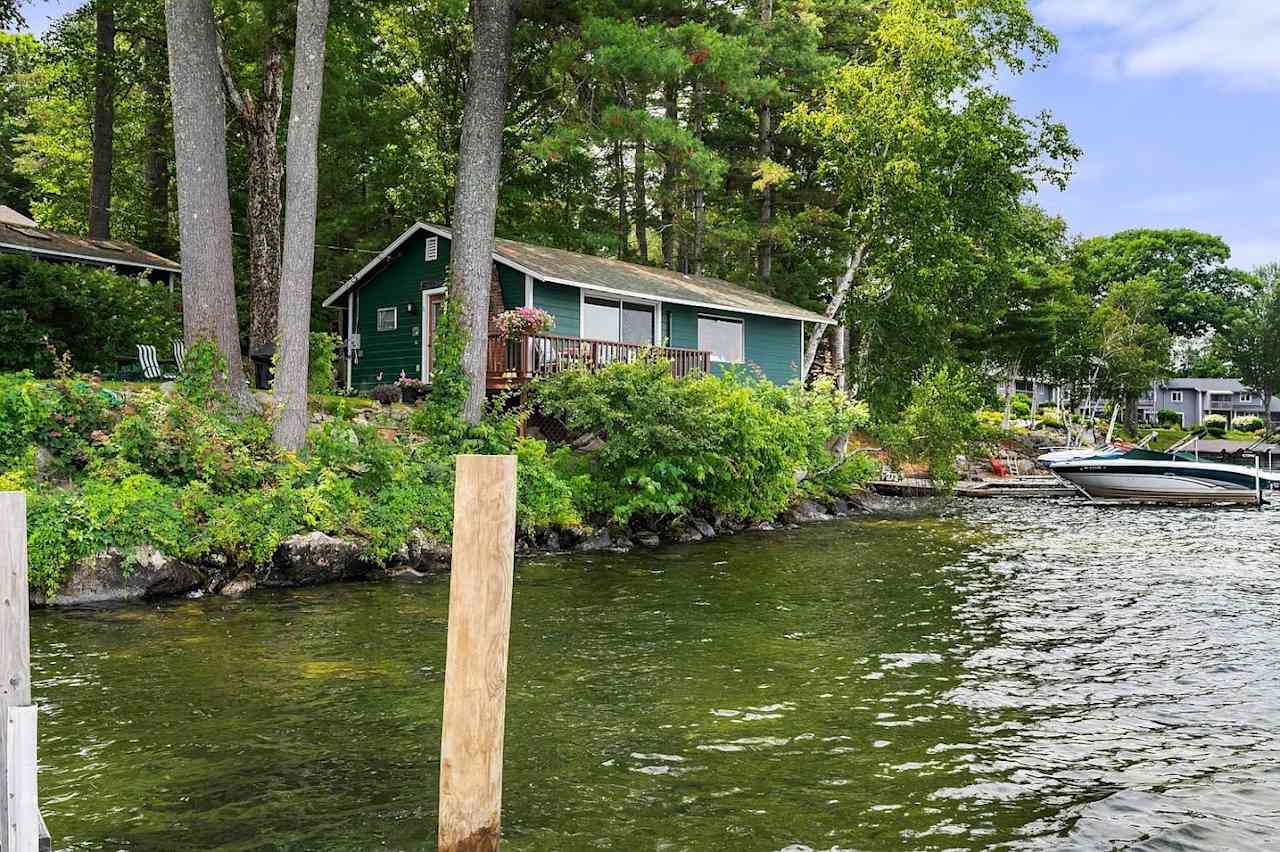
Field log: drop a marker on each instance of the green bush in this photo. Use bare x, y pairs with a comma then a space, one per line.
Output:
93, 314
1166, 417
322, 367
1249, 423
1215, 424
939, 424
729, 444
1021, 406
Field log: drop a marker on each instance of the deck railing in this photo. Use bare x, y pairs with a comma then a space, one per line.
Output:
513, 360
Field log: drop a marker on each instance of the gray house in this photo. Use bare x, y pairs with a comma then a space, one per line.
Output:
1195, 399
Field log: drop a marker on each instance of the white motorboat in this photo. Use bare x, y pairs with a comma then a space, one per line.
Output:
1146, 476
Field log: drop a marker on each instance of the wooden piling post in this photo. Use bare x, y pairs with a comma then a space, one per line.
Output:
475, 680
19, 808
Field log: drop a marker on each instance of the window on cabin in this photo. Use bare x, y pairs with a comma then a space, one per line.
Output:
433, 248
1247, 397
1175, 396
387, 319
617, 321
723, 338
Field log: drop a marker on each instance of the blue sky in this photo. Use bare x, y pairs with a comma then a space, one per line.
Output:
1173, 101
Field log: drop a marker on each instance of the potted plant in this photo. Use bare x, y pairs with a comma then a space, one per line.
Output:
411, 389
522, 322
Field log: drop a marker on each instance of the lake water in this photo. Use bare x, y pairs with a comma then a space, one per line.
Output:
1013, 675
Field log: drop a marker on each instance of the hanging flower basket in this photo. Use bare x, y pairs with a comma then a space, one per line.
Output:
523, 322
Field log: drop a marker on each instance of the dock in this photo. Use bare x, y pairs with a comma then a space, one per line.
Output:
1022, 487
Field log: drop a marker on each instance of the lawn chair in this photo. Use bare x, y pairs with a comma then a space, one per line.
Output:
179, 352
151, 363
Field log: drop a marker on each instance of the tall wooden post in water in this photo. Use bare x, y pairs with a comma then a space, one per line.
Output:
19, 807
475, 678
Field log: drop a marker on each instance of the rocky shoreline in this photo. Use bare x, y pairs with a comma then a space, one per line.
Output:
144, 573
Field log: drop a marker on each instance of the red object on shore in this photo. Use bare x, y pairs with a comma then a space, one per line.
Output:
999, 467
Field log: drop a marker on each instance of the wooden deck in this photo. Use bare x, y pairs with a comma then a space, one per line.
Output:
517, 360
1023, 487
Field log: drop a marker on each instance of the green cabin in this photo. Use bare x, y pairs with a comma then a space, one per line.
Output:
604, 310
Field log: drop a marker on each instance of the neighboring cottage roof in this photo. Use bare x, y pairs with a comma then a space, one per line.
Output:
9, 216
16, 236
614, 276
1219, 385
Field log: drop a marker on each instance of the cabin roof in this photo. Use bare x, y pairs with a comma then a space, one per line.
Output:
15, 235
610, 275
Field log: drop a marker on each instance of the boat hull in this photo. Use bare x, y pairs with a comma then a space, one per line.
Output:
1167, 482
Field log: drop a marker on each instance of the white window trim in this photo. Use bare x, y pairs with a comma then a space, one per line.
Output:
395, 318
424, 368
603, 295
431, 249
740, 321
1175, 396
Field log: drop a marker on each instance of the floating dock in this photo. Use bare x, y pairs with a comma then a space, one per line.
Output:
1024, 487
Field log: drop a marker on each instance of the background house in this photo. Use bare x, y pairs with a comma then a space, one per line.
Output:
604, 309
21, 235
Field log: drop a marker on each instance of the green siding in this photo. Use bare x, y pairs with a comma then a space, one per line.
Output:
400, 282
562, 302
512, 283
772, 344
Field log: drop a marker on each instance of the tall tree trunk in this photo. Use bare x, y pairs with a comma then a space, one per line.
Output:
669, 182
155, 166
620, 188
840, 354
104, 119
259, 120
300, 224
699, 190
1009, 387
476, 199
640, 204
204, 206
764, 258
853, 264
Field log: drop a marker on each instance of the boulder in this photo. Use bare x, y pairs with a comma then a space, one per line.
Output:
839, 507
239, 585
683, 532
315, 557
703, 527
595, 540
119, 575
805, 511
644, 538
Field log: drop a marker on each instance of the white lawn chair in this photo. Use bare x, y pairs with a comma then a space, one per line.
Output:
179, 352
151, 363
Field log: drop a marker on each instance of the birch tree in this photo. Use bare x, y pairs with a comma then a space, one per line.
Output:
204, 207
300, 225
929, 163
476, 200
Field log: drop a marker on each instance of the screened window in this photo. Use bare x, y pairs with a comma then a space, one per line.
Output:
722, 338
387, 319
617, 321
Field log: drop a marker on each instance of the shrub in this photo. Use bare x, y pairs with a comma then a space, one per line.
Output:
1166, 417
1216, 424
385, 394
1249, 423
1021, 405
322, 366
94, 314
939, 423
729, 444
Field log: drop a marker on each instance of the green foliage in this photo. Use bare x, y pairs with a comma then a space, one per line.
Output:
726, 444
322, 366
441, 411
940, 423
1215, 424
93, 314
1249, 423
1252, 342
1020, 405
1167, 417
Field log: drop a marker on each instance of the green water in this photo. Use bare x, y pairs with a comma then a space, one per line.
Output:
1012, 675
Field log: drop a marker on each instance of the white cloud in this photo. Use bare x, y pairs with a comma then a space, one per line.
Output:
1237, 41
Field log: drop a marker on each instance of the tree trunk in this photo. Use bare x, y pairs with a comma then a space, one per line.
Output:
1010, 378
764, 259
699, 190
204, 207
669, 183
259, 121
476, 198
155, 167
620, 188
300, 225
104, 119
1131, 414
640, 204
840, 354
853, 263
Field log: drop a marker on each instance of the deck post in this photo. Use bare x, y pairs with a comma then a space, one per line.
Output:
1257, 477
19, 808
475, 680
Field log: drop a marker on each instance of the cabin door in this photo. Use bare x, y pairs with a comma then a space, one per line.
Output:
432, 308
